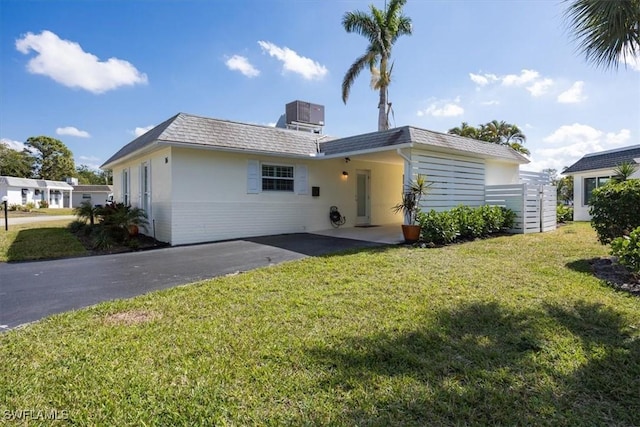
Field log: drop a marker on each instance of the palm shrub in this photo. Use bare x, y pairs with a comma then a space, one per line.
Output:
117, 219
615, 209
87, 212
564, 213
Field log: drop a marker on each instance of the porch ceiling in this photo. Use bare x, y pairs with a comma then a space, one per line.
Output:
389, 157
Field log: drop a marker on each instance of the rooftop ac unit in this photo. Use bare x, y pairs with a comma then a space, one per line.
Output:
305, 112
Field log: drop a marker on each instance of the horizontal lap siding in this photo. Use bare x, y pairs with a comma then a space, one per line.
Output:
534, 205
455, 180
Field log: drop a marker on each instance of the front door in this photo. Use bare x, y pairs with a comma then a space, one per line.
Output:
363, 203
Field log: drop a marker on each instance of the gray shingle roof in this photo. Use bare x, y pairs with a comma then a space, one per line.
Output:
207, 132
13, 181
605, 159
93, 188
409, 134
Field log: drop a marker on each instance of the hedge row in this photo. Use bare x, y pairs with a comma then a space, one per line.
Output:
463, 223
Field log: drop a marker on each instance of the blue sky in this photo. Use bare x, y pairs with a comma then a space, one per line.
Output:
95, 73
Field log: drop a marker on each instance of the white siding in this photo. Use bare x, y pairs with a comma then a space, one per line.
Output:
499, 173
160, 164
580, 209
455, 179
210, 199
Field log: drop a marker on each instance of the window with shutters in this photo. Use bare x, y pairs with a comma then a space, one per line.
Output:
277, 178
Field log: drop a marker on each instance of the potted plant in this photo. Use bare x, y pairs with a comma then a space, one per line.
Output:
410, 207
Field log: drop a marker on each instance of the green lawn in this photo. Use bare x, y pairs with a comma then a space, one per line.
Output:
507, 331
39, 240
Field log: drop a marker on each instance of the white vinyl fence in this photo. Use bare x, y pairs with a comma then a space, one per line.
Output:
534, 205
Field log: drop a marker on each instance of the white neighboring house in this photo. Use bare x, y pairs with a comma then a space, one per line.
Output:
96, 194
594, 170
201, 179
20, 191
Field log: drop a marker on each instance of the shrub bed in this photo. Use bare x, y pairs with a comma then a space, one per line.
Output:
464, 223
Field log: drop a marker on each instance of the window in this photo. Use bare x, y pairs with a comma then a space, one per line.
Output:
86, 196
125, 187
277, 178
591, 184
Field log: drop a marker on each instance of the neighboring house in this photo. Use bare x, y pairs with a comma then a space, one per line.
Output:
202, 179
96, 194
593, 171
20, 191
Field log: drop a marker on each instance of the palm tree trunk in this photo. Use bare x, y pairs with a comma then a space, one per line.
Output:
383, 123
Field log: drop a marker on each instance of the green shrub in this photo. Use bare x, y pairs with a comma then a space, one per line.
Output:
14, 207
438, 227
44, 204
627, 249
615, 209
28, 207
564, 213
469, 222
464, 222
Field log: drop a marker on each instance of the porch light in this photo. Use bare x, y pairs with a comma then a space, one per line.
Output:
345, 174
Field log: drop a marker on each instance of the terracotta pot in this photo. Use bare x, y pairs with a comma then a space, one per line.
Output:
411, 233
133, 230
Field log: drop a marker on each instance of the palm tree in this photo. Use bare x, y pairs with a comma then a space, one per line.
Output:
464, 130
624, 171
606, 30
382, 28
497, 132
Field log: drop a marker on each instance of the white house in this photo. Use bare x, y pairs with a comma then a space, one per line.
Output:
202, 179
594, 170
96, 194
20, 191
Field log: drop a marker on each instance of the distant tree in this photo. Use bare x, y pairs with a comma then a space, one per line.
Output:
553, 175
606, 30
382, 28
86, 175
564, 188
497, 132
53, 159
16, 163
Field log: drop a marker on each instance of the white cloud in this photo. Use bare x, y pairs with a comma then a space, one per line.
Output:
571, 142
525, 76
572, 95
483, 80
65, 62
72, 131
443, 108
14, 145
492, 102
540, 87
139, 131
242, 64
306, 67
529, 79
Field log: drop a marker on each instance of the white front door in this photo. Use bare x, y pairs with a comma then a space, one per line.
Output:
363, 203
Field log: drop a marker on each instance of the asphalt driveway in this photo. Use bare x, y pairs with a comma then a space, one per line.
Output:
30, 291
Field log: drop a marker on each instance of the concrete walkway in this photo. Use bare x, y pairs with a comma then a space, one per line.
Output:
30, 291
37, 218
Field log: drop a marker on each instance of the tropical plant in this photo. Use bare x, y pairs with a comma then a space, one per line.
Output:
627, 249
564, 213
118, 219
410, 204
87, 212
607, 31
624, 171
614, 209
465, 130
382, 28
